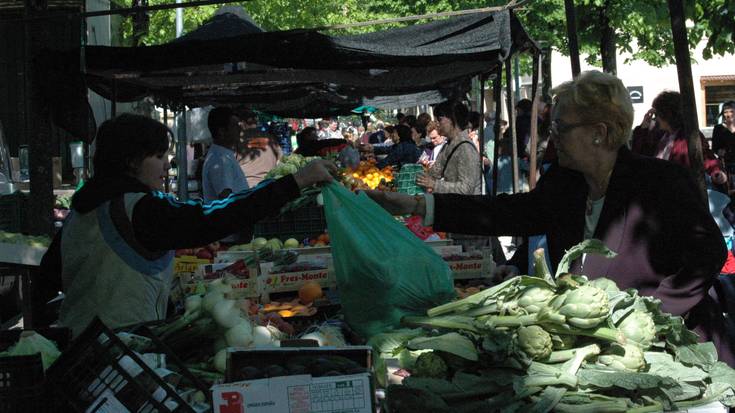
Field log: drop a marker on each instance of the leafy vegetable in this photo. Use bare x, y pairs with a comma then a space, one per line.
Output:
452, 343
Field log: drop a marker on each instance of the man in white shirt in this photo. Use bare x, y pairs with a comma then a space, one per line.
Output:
221, 174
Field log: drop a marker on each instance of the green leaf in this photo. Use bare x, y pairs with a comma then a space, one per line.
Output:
548, 399
607, 378
590, 246
702, 355
453, 343
663, 364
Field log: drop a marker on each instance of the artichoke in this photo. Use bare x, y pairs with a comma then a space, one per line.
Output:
626, 357
534, 299
583, 307
430, 365
638, 328
605, 284
535, 342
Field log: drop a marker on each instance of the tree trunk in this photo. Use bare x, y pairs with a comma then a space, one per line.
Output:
571, 17
686, 88
608, 41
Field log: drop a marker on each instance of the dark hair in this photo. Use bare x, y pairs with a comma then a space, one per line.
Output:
668, 108
219, 117
400, 116
423, 119
404, 133
730, 104
474, 118
306, 135
456, 111
124, 141
525, 105
247, 116
389, 129
408, 120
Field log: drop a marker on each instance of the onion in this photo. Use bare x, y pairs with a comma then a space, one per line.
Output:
220, 360
210, 299
262, 336
240, 335
192, 303
226, 314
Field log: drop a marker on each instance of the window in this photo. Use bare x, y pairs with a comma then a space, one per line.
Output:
717, 89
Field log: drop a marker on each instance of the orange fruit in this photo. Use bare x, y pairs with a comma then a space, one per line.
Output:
310, 292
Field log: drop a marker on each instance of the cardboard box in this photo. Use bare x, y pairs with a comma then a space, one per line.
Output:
186, 266
476, 265
303, 393
243, 278
292, 281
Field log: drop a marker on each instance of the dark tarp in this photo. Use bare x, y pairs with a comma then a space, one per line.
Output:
304, 73
219, 27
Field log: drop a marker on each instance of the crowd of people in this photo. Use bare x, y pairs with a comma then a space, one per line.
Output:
602, 178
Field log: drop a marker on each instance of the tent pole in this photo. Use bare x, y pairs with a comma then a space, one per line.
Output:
512, 124
497, 99
481, 128
534, 122
572, 37
113, 103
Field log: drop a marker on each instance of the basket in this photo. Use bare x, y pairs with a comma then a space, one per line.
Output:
99, 372
406, 179
22, 385
22, 382
305, 222
13, 209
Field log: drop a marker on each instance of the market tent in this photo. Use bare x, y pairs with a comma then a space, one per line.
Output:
308, 73
223, 24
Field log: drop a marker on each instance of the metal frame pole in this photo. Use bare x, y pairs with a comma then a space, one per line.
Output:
512, 124
497, 98
534, 122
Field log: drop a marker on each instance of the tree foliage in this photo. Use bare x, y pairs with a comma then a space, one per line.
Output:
642, 27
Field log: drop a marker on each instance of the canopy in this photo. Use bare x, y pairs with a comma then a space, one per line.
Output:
305, 73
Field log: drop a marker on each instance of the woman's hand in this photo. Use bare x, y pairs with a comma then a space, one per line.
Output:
426, 182
318, 171
399, 204
648, 122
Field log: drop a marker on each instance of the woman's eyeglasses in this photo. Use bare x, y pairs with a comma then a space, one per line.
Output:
559, 128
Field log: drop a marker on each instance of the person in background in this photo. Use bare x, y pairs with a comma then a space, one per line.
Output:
378, 136
661, 135
399, 118
115, 252
310, 145
723, 136
403, 152
333, 132
650, 212
248, 119
436, 144
523, 126
323, 132
408, 120
457, 168
221, 173
258, 152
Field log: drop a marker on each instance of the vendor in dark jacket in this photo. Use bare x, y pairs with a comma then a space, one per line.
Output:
115, 252
405, 151
647, 210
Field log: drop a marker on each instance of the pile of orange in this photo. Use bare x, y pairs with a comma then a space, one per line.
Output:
368, 176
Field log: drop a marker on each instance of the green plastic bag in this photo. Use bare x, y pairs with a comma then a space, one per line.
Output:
384, 272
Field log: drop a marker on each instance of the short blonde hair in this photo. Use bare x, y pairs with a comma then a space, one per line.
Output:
599, 97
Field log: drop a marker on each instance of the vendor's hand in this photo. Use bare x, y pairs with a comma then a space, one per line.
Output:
398, 204
648, 122
719, 178
366, 148
318, 171
425, 181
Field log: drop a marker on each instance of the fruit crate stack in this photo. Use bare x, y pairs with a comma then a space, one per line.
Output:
13, 212
306, 222
406, 179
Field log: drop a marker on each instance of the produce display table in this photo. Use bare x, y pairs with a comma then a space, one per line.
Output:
26, 259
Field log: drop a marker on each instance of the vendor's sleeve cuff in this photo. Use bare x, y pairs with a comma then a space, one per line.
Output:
429, 215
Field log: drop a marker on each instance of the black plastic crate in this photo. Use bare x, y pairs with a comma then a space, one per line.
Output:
99, 368
305, 222
13, 209
22, 388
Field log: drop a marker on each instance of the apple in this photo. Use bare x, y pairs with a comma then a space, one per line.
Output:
291, 243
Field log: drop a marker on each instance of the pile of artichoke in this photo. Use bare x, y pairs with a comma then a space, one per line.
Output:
560, 343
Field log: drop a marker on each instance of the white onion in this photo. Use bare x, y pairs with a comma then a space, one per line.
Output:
240, 335
210, 299
192, 303
226, 314
262, 336
220, 360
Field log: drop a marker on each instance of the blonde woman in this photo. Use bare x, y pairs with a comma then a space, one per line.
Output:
647, 210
